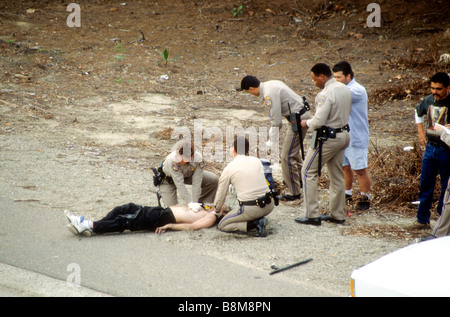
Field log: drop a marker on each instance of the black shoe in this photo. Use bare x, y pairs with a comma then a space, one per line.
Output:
289, 197
260, 225
348, 198
309, 221
363, 204
330, 219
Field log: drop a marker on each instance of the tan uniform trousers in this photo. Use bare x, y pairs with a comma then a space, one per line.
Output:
208, 192
333, 156
291, 161
442, 227
236, 220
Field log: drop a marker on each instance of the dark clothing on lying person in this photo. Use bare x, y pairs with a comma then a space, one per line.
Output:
134, 218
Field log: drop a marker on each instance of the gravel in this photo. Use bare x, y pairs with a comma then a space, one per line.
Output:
51, 167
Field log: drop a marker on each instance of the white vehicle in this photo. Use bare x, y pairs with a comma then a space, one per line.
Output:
418, 270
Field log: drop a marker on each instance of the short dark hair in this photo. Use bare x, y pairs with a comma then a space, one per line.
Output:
239, 141
321, 69
249, 81
343, 67
441, 77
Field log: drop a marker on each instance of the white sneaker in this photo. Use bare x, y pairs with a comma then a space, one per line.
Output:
78, 225
70, 216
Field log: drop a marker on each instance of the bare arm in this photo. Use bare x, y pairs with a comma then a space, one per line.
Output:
422, 135
205, 222
420, 129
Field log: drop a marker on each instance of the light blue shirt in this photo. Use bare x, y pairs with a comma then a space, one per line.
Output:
358, 121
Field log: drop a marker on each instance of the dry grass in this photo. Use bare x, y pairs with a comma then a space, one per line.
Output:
395, 176
382, 231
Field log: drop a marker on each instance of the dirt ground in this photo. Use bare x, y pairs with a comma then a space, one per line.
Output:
103, 96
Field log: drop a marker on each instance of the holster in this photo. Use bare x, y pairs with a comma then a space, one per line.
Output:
295, 119
320, 135
157, 179
160, 176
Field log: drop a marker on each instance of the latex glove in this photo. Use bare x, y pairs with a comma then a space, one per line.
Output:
269, 143
195, 206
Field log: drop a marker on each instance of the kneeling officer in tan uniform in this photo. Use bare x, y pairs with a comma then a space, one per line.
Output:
246, 174
184, 166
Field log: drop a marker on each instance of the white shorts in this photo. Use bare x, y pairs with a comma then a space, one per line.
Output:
356, 157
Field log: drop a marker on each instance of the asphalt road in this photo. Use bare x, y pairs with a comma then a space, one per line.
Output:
40, 257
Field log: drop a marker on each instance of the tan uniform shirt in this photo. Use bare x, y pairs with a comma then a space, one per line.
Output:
279, 98
333, 105
194, 169
246, 174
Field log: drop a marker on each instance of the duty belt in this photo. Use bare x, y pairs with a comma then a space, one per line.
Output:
346, 128
261, 201
324, 133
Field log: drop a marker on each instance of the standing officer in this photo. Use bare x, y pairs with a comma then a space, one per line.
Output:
246, 174
184, 166
282, 101
330, 138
